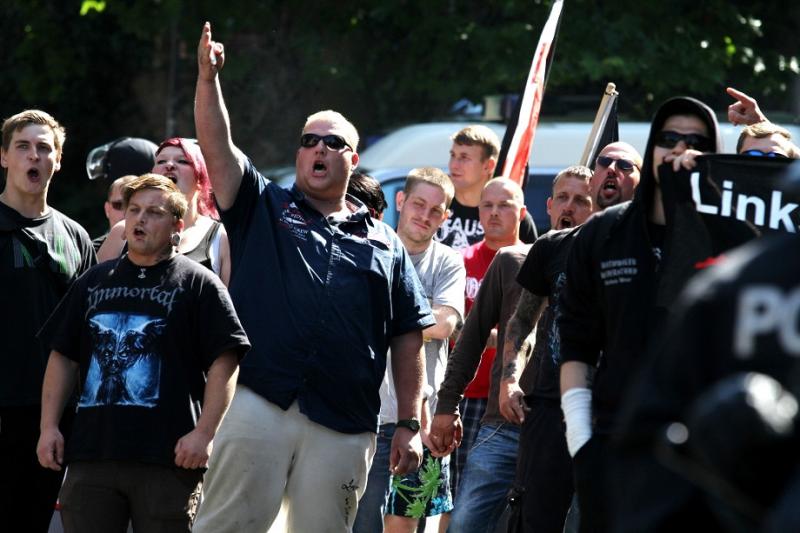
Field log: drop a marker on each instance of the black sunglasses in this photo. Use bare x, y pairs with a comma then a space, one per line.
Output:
334, 142
668, 139
759, 153
623, 164
116, 205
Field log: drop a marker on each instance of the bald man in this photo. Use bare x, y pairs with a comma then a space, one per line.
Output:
480, 491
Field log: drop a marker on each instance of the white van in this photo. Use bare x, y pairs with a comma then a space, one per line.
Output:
556, 144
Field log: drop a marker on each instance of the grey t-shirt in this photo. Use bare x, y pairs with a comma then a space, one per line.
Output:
441, 271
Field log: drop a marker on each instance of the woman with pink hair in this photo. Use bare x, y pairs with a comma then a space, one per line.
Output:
203, 238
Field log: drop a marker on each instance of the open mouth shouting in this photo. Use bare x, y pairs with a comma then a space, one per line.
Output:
608, 193
34, 175
610, 187
319, 168
565, 222
172, 176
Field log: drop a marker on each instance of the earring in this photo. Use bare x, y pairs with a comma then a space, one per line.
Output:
175, 239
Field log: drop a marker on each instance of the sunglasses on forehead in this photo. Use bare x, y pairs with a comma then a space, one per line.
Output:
334, 142
622, 164
668, 139
760, 153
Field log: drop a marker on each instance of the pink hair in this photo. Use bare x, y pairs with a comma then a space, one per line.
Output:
205, 204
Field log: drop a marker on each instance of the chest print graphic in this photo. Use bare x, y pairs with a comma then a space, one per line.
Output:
292, 219
124, 369
618, 271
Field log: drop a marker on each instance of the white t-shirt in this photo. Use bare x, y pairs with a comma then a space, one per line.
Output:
441, 271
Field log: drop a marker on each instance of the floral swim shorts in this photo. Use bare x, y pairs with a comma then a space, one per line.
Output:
425, 492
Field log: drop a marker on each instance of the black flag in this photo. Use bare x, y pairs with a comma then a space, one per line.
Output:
610, 133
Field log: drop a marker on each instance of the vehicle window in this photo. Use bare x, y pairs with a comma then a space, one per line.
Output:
390, 188
537, 191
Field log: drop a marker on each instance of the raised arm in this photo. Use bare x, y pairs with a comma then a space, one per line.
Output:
515, 348
225, 162
408, 369
194, 448
59, 381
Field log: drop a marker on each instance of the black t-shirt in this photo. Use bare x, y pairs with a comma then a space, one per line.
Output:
463, 227
39, 259
143, 338
542, 274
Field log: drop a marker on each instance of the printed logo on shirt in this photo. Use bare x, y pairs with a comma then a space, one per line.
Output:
617, 271
63, 254
292, 219
124, 368
460, 233
471, 288
98, 295
554, 337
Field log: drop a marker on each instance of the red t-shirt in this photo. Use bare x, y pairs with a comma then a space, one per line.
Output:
477, 259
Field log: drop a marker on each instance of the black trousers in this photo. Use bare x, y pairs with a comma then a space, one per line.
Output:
542, 490
591, 469
28, 491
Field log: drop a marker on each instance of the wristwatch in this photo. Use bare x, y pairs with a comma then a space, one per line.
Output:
410, 423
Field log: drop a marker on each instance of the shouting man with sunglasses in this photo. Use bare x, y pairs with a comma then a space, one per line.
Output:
612, 305
323, 291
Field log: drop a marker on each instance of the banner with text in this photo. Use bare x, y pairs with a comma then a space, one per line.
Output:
724, 202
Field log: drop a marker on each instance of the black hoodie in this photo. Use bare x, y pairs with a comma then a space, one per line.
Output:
611, 302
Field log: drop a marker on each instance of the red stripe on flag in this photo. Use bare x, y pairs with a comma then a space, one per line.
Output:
520, 148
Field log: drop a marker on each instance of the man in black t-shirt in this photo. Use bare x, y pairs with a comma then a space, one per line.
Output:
149, 338
543, 488
41, 253
473, 158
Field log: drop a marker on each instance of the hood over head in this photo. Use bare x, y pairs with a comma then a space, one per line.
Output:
679, 105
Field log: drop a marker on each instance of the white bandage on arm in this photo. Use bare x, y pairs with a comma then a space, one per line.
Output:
577, 406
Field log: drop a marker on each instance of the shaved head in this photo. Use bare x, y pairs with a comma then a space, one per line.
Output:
634, 154
610, 184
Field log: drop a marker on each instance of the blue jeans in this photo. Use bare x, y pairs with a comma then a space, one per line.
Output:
471, 410
486, 478
372, 505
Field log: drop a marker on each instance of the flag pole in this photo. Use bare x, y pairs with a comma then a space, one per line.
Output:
606, 104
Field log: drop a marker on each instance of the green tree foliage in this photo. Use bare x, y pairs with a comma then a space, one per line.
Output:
112, 68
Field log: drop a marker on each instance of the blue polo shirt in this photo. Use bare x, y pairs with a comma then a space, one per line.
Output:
320, 302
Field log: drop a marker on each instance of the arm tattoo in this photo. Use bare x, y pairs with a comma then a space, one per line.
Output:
509, 369
524, 318
519, 328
